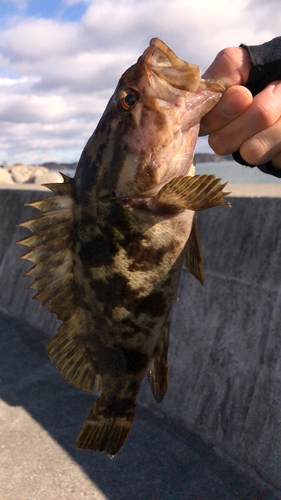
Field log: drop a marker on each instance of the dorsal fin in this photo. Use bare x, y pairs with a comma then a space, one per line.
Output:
193, 253
51, 251
158, 367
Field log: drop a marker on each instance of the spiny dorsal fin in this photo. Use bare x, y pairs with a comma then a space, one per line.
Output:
158, 367
65, 188
193, 193
194, 255
52, 236
51, 251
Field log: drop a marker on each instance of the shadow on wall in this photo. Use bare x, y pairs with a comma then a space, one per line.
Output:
159, 461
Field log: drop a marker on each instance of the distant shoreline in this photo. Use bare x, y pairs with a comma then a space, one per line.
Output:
199, 158
211, 158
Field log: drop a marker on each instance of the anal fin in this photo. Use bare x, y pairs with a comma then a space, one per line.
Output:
158, 367
193, 253
193, 193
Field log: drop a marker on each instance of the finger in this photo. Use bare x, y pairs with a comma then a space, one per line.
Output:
276, 162
231, 65
264, 146
234, 101
264, 111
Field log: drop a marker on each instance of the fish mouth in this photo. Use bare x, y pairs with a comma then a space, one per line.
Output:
162, 61
181, 75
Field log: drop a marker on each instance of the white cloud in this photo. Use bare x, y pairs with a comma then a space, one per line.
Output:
267, 17
56, 77
34, 39
7, 82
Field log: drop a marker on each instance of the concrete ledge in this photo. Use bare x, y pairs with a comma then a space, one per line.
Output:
255, 190
224, 358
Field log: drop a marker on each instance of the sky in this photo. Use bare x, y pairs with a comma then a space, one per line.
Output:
60, 60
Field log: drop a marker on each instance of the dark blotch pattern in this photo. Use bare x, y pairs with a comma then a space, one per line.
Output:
103, 246
112, 173
130, 327
119, 361
115, 292
86, 174
118, 407
144, 258
158, 118
95, 253
145, 175
154, 304
119, 218
136, 361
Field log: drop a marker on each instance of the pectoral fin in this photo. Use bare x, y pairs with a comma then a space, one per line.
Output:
193, 193
158, 367
194, 255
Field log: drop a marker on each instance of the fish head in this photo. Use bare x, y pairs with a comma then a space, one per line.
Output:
148, 132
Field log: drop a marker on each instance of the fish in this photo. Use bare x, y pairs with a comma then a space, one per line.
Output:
109, 243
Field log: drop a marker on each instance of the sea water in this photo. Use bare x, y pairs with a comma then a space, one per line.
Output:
232, 172
229, 171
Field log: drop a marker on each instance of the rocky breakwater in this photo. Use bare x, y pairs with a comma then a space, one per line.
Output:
18, 173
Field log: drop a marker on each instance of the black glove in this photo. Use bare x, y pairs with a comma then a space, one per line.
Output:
266, 68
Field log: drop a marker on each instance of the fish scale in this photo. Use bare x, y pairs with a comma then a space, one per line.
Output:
109, 245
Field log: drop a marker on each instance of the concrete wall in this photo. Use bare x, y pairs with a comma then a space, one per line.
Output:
225, 350
224, 358
14, 296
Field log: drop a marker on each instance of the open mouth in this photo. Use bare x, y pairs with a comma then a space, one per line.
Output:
167, 65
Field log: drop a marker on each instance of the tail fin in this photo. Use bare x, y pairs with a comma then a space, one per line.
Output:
106, 429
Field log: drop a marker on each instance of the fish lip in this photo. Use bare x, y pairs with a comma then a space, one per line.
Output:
217, 86
164, 63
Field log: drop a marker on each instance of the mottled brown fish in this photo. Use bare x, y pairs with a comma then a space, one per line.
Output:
109, 245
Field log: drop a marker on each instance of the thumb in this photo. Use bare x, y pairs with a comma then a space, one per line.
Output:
231, 65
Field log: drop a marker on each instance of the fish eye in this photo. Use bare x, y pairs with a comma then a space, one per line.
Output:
128, 98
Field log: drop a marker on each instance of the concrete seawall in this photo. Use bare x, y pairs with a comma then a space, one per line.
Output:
224, 357
15, 298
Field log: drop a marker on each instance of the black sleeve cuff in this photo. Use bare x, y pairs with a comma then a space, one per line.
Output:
266, 64
266, 168
266, 68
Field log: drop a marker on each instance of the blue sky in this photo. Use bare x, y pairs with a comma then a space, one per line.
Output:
49, 9
60, 60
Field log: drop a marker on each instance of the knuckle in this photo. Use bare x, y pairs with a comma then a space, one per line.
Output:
228, 56
219, 144
267, 114
254, 151
276, 161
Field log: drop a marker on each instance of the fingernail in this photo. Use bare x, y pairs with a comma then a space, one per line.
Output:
277, 90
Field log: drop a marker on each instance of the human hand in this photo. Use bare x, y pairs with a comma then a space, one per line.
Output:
240, 121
